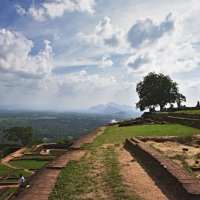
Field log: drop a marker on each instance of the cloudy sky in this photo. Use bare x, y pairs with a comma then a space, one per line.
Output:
71, 54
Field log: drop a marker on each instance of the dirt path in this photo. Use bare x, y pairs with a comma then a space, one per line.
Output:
98, 190
137, 179
87, 139
43, 182
15, 154
9, 186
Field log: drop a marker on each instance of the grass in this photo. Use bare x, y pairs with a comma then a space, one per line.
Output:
197, 156
189, 111
116, 135
99, 172
73, 181
38, 157
90, 176
112, 176
7, 193
8, 171
8, 180
182, 159
28, 164
2, 146
179, 157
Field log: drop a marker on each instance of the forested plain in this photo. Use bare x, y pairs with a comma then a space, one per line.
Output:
53, 125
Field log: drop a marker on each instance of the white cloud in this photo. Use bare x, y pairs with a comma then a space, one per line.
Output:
106, 61
146, 32
136, 61
15, 56
107, 36
21, 11
160, 42
83, 89
84, 83
57, 8
171, 53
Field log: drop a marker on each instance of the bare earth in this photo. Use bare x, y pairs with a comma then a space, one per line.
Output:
137, 179
16, 154
171, 149
87, 139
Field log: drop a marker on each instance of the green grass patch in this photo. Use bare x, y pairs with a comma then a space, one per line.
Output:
73, 181
2, 146
113, 177
189, 111
28, 164
116, 135
8, 171
179, 157
79, 178
185, 139
8, 180
182, 159
7, 193
38, 157
197, 156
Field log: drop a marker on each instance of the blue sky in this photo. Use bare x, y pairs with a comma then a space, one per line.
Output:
71, 54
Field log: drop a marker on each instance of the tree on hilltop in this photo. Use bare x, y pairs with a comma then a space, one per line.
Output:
157, 90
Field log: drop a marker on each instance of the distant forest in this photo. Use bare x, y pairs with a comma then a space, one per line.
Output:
52, 125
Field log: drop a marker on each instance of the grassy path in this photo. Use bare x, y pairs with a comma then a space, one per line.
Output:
97, 175
43, 182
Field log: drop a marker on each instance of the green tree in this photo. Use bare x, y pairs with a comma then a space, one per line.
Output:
67, 141
157, 90
21, 134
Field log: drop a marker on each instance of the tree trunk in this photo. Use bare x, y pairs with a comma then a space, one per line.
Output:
161, 107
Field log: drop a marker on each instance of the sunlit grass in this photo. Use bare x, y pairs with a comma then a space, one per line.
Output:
116, 135
7, 193
28, 164
73, 181
112, 176
189, 111
76, 181
8, 171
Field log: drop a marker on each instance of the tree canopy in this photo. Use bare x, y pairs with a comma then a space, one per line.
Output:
157, 90
21, 134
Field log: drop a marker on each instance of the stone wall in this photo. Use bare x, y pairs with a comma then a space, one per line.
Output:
174, 181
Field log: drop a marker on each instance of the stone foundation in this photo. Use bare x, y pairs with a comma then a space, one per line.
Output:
174, 181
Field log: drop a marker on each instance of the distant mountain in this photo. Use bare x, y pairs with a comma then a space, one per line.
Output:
114, 109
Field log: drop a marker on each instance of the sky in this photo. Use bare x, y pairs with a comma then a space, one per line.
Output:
74, 54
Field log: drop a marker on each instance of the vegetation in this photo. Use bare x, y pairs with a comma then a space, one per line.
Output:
66, 141
7, 193
113, 177
73, 181
99, 173
197, 156
189, 111
187, 139
157, 89
28, 164
92, 177
19, 133
183, 161
54, 126
117, 135
29, 157
8, 171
